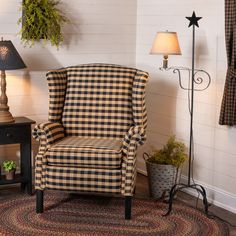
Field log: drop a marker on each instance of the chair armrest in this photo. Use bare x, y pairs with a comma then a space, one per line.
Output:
128, 170
136, 134
135, 137
49, 132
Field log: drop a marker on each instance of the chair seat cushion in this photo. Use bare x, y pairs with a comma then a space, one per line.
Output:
86, 152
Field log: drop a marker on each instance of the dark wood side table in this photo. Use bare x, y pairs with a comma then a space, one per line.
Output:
19, 132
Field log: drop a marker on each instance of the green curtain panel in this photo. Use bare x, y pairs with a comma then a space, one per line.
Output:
228, 106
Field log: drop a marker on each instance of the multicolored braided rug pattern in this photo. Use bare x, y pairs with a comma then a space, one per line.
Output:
99, 216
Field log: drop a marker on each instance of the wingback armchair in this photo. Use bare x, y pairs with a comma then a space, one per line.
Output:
97, 119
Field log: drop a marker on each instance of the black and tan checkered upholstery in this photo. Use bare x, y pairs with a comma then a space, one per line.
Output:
86, 152
97, 119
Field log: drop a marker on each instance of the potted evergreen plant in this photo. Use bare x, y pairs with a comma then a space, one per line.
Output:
163, 167
41, 19
10, 169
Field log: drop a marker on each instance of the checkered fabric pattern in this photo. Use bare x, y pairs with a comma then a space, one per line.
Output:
83, 179
57, 82
86, 152
47, 134
53, 132
228, 106
100, 109
98, 101
128, 170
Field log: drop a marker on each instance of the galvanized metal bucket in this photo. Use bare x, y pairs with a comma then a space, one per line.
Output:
161, 178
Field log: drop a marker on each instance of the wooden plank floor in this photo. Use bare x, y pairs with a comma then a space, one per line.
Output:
142, 191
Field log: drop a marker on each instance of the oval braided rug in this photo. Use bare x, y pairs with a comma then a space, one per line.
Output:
80, 215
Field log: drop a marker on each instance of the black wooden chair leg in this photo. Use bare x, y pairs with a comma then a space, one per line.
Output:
39, 201
128, 201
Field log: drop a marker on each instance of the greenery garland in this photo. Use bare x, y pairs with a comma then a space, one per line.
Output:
41, 19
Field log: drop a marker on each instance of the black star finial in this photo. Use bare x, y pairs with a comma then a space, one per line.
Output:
193, 20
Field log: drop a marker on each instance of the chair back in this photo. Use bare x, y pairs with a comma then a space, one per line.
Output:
97, 100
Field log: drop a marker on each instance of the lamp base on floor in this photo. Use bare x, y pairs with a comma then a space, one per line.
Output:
178, 187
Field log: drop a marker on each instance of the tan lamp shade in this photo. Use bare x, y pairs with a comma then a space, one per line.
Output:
166, 43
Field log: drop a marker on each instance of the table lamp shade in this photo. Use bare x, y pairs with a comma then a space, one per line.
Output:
9, 57
9, 60
166, 43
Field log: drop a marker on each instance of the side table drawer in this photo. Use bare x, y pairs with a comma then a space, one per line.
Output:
13, 134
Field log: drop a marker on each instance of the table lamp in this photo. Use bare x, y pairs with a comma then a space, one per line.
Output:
9, 60
166, 43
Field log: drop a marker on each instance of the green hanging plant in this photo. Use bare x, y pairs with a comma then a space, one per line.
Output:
41, 19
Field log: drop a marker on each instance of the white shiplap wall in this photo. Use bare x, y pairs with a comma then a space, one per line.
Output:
215, 152
99, 31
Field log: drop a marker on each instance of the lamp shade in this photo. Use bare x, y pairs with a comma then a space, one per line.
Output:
9, 57
166, 43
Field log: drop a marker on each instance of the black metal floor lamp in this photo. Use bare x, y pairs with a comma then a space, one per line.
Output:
194, 81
